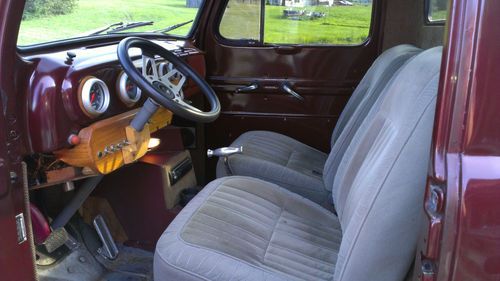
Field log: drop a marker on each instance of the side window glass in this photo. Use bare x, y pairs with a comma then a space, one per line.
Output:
304, 22
437, 10
317, 22
241, 20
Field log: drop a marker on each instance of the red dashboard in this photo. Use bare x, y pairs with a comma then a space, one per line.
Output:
54, 96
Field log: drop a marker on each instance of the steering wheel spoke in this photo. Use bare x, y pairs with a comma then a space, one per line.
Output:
149, 68
176, 76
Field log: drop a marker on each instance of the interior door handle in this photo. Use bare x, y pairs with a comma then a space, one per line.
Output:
252, 87
288, 89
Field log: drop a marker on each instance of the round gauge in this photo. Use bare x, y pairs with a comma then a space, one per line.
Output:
128, 91
94, 97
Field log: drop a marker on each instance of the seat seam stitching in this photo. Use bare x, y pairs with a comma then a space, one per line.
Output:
294, 269
236, 226
294, 261
246, 207
236, 212
321, 227
247, 192
226, 232
272, 236
310, 242
303, 255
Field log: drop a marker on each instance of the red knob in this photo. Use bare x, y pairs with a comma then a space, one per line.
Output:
74, 139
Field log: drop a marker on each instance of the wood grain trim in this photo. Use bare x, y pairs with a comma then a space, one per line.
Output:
111, 143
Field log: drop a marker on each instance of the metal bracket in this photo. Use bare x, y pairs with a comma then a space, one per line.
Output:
21, 229
109, 250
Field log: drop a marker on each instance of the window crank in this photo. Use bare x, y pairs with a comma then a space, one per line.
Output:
288, 89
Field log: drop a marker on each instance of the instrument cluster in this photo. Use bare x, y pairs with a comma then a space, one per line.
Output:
94, 95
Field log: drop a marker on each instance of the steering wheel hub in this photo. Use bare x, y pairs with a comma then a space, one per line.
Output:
164, 89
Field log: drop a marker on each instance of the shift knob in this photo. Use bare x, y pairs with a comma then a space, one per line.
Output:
224, 151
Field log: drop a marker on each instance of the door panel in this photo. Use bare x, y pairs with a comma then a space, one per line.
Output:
325, 76
319, 101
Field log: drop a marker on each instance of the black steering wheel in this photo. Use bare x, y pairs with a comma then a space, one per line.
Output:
164, 86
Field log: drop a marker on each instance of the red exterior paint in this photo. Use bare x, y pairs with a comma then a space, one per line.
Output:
463, 240
16, 260
478, 241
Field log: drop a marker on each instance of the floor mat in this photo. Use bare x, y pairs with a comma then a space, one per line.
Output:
80, 265
132, 263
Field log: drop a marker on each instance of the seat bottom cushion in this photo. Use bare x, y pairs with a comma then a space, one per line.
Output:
241, 228
281, 160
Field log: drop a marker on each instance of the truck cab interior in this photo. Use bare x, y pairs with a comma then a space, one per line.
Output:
223, 140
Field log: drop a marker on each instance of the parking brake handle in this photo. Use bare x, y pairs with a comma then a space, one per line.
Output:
224, 151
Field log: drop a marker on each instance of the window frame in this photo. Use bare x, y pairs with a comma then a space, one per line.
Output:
427, 12
260, 43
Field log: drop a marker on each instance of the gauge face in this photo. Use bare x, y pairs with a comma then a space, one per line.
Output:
97, 97
131, 89
128, 91
94, 97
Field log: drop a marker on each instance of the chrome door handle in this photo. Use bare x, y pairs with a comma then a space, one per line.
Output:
252, 87
290, 91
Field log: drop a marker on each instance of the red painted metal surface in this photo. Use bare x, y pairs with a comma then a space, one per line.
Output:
138, 201
463, 239
53, 112
41, 229
478, 241
16, 259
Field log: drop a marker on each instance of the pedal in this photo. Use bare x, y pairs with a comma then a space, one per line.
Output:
59, 237
109, 250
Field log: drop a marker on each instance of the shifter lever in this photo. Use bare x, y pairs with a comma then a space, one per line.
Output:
224, 151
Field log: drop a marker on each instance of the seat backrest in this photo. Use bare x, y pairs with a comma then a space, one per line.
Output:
375, 79
362, 100
379, 186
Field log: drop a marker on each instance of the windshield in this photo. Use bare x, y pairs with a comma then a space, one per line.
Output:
52, 20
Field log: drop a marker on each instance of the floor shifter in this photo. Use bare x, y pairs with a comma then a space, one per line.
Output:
109, 250
225, 152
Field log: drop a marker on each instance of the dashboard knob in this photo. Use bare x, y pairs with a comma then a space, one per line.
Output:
70, 57
74, 139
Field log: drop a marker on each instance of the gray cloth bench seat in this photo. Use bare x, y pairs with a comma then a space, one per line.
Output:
244, 228
298, 167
